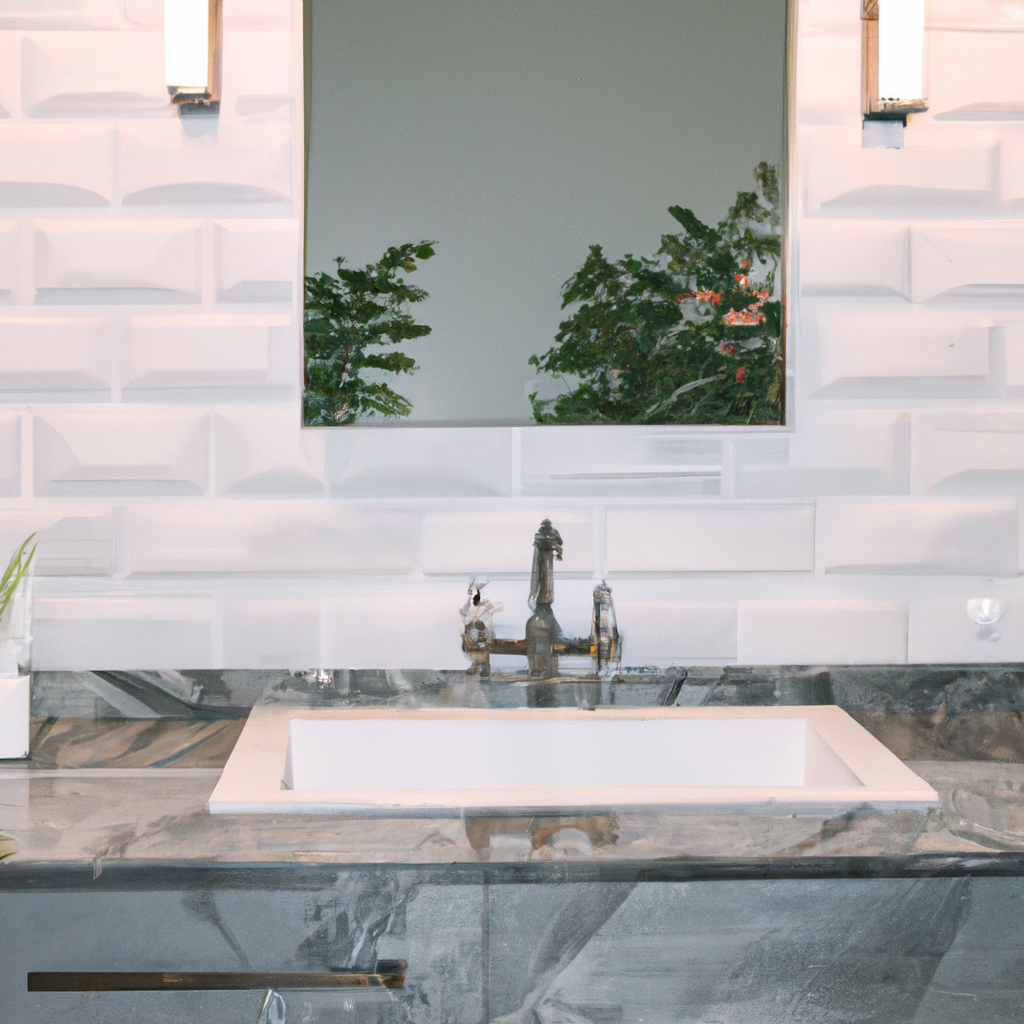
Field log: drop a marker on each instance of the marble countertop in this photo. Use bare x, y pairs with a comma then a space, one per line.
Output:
114, 802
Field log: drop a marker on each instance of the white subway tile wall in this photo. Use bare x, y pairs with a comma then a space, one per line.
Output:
150, 360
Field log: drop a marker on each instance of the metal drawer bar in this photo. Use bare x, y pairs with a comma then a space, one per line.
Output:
386, 974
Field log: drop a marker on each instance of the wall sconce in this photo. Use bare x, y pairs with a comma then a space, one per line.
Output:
191, 52
892, 59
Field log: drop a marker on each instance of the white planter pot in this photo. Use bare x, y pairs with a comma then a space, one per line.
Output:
15, 677
15, 709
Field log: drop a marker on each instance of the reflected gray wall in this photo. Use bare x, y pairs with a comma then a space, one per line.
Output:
517, 134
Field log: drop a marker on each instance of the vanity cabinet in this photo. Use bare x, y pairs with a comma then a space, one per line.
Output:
554, 943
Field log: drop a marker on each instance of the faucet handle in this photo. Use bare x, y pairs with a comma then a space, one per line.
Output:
605, 641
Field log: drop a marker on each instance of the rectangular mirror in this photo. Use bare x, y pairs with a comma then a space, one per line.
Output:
549, 211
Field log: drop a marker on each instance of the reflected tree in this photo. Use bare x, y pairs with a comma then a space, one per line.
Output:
692, 334
352, 319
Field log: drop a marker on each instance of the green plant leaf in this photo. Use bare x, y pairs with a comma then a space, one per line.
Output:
15, 572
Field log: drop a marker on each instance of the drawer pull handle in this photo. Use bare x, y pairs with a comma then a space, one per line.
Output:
386, 974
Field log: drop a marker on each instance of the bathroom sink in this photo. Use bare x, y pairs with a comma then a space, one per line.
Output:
447, 761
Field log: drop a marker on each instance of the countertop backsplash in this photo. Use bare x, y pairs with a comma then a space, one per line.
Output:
942, 712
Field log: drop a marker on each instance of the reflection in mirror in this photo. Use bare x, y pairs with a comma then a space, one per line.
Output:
553, 211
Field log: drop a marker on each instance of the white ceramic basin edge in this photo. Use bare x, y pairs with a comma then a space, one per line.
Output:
294, 761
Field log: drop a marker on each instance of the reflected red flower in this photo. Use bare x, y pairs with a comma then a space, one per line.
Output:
743, 318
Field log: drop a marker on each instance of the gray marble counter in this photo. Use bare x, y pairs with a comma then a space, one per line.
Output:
99, 816
108, 795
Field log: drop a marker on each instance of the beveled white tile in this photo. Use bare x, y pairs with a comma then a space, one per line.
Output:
121, 451
35, 170
491, 540
984, 260
918, 536
117, 261
261, 451
981, 15
71, 542
848, 257
619, 461
971, 70
661, 631
256, 66
1013, 343
241, 490
10, 260
203, 350
852, 177
970, 452
10, 72
57, 353
57, 15
11, 427
97, 633
256, 260
923, 346
439, 462
940, 630
272, 536
821, 633
712, 537
161, 164
272, 633
244, 16
835, 451
380, 625
1011, 156
89, 74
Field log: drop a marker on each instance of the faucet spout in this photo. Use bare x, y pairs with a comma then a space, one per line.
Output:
547, 546
542, 629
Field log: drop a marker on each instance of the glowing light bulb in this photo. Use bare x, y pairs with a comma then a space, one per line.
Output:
901, 51
190, 38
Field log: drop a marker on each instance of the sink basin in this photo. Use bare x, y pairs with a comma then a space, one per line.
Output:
448, 761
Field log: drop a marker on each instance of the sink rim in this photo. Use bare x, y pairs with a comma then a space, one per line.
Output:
251, 780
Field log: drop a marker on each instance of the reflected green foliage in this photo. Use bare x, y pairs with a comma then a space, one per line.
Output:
351, 320
690, 335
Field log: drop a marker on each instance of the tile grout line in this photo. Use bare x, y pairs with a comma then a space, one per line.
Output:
27, 437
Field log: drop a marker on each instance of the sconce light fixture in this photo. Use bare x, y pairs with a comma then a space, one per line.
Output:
892, 59
191, 45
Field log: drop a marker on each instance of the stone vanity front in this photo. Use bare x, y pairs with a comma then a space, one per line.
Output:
905, 916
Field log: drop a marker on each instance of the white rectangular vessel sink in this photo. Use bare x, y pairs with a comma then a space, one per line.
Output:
449, 761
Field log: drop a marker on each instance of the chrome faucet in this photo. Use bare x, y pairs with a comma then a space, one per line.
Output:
544, 642
542, 628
